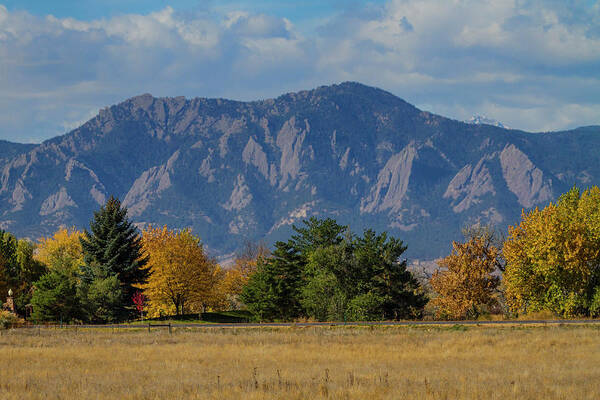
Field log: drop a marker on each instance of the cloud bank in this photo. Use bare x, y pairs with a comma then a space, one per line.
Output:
533, 65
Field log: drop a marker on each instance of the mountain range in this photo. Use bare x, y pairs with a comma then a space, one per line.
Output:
236, 171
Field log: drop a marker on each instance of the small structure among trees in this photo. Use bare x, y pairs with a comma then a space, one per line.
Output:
10, 303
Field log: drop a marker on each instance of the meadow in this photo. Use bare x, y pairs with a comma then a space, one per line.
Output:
476, 362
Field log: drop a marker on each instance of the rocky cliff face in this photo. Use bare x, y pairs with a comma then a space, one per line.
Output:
235, 171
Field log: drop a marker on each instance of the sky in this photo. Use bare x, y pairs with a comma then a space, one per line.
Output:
530, 64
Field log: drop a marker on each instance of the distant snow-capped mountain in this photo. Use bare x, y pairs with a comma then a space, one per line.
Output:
481, 119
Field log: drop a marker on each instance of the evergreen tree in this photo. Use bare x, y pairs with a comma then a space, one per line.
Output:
317, 233
113, 247
8, 263
101, 299
273, 292
325, 272
54, 298
386, 276
372, 277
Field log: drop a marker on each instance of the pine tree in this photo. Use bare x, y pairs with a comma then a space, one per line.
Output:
54, 298
381, 277
114, 247
273, 292
317, 233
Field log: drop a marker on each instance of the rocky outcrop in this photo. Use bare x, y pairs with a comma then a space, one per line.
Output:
469, 185
148, 186
523, 178
391, 186
240, 196
57, 202
254, 154
289, 140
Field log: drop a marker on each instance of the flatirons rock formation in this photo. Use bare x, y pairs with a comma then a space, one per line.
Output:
236, 171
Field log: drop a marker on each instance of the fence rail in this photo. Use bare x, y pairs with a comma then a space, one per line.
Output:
160, 326
149, 326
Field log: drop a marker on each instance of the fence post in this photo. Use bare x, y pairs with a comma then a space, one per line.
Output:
169, 328
148, 327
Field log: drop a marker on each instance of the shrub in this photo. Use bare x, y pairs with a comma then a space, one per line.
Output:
9, 320
366, 307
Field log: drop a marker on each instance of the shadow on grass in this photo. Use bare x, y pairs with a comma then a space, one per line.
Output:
223, 317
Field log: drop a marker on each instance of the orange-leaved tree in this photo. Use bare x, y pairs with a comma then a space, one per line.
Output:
466, 283
182, 276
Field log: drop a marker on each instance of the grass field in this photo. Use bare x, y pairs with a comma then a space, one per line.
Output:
560, 362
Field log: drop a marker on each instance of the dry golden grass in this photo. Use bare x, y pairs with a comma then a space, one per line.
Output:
303, 363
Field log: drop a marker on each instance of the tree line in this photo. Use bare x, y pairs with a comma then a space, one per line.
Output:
549, 262
112, 272
325, 272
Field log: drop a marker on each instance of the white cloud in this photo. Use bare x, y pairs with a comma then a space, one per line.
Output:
531, 64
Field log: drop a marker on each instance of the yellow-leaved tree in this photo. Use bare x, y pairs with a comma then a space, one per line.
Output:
61, 252
553, 257
183, 278
468, 281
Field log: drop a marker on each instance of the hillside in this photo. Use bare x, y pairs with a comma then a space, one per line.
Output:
247, 170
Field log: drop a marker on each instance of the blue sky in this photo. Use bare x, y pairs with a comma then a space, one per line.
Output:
532, 64
93, 9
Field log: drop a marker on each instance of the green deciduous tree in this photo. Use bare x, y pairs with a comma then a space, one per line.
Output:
30, 270
365, 307
322, 296
18, 269
244, 266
